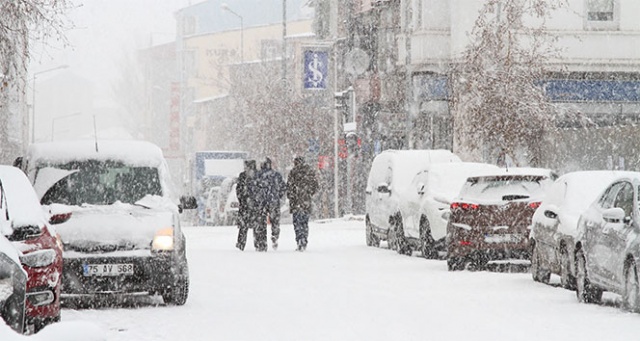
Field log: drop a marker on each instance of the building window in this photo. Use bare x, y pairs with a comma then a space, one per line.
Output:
602, 14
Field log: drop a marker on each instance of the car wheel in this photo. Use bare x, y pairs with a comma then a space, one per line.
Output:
179, 291
567, 280
584, 290
402, 246
455, 264
427, 244
631, 296
391, 235
538, 273
372, 240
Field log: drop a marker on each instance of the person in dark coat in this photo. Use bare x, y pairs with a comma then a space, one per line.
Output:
248, 209
302, 184
271, 189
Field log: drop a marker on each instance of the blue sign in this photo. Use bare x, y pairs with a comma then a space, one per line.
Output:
316, 70
592, 90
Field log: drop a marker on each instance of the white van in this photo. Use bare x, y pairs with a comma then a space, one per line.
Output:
391, 173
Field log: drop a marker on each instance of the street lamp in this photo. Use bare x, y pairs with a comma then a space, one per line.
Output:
53, 121
33, 99
226, 7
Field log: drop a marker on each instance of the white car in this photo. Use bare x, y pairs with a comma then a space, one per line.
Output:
231, 207
424, 206
124, 234
554, 224
391, 173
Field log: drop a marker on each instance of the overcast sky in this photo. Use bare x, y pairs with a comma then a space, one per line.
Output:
105, 30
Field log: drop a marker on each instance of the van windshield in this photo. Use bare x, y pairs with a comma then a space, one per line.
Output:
98, 183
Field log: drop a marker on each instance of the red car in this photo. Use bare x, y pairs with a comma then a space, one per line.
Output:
490, 219
25, 224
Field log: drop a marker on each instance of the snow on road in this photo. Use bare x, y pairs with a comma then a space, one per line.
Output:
340, 289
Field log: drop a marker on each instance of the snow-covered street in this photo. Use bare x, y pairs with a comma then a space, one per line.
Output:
340, 289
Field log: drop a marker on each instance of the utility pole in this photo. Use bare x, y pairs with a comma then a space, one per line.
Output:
284, 39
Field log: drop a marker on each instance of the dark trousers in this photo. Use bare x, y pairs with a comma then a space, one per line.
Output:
301, 227
260, 236
243, 227
273, 211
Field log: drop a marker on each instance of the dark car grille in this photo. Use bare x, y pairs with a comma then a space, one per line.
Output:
99, 247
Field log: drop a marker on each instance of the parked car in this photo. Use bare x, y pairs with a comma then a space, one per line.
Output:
391, 173
228, 204
490, 219
124, 236
231, 207
26, 225
554, 225
424, 206
608, 247
13, 286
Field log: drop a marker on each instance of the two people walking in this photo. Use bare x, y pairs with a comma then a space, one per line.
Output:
260, 194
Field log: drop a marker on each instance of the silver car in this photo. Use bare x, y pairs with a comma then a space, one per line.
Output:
555, 223
608, 248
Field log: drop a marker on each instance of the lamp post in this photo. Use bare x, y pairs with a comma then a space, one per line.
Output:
226, 7
284, 39
33, 98
53, 121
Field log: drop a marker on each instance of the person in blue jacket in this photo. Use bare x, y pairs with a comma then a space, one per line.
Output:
271, 189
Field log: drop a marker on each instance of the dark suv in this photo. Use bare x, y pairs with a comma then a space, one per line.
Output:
490, 219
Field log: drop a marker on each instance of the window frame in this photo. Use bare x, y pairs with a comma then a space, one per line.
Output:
602, 25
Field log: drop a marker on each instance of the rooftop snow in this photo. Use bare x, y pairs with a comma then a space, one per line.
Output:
136, 153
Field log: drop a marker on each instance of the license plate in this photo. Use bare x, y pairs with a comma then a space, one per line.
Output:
502, 238
107, 269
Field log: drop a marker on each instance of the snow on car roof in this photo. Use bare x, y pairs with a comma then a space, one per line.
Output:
137, 153
572, 194
413, 161
448, 178
583, 187
22, 201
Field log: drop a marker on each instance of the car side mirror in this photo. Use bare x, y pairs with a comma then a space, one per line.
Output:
613, 215
549, 213
384, 188
187, 203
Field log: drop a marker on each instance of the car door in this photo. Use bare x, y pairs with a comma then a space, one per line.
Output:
595, 247
412, 204
546, 229
614, 236
379, 191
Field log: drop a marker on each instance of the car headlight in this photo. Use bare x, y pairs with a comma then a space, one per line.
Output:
39, 258
163, 240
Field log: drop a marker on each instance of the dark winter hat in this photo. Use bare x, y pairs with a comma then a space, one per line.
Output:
266, 164
250, 164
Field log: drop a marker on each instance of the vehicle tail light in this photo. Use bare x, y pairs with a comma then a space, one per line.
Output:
465, 243
464, 206
535, 205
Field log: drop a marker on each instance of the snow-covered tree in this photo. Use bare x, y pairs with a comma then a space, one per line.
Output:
273, 119
21, 22
500, 108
